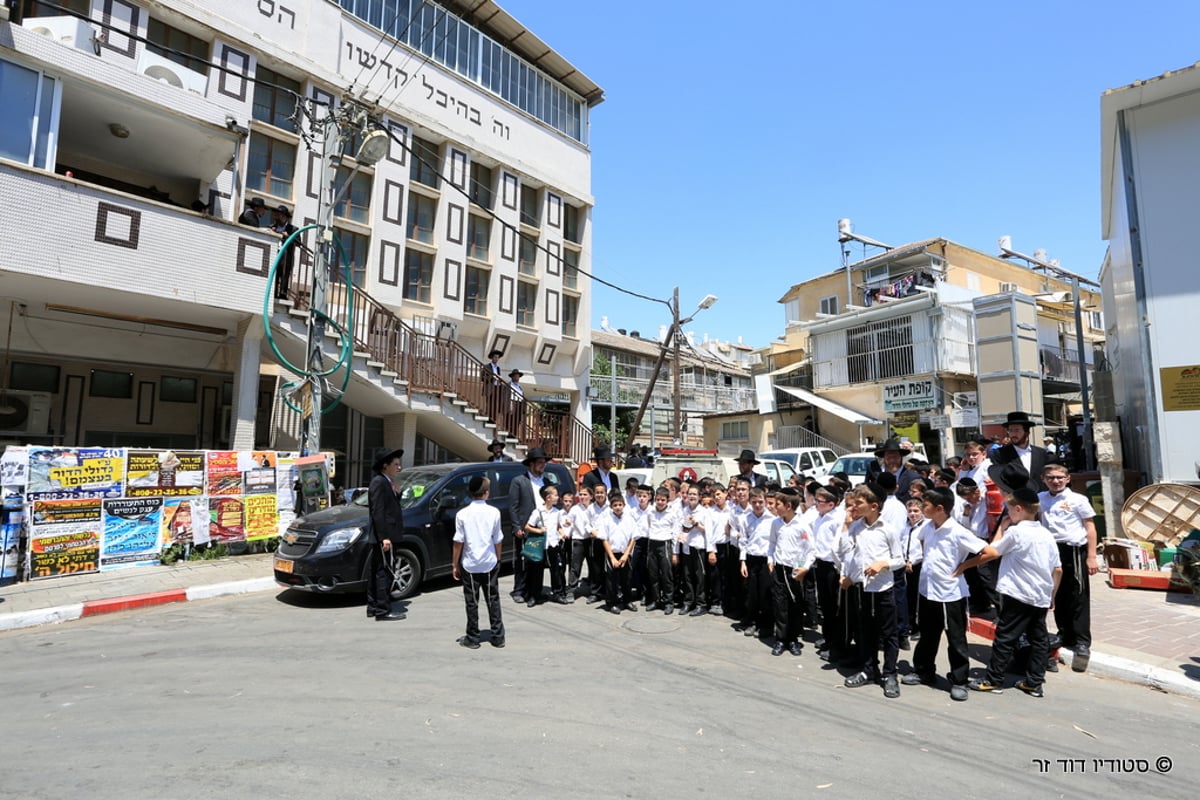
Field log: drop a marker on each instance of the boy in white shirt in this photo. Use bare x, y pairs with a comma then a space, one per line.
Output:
916, 557
617, 534
1070, 518
579, 517
595, 550
1029, 575
476, 562
541, 522
790, 555
720, 551
756, 539
661, 529
825, 569
943, 603
972, 515
691, 552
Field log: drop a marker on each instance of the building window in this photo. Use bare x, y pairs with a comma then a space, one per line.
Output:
570, 315
189, 51
271, 166
356, 203
29, 99
275, 98
476, 296
418, 276
527, 262
32, 8
422, 212
479, 234
735, 430
530, 212
879, 350
526, 304
423, 168
354, 250
107, 383
829, 305
482, 181
570, 268
571, 224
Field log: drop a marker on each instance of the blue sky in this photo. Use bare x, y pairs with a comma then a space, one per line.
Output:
734, 136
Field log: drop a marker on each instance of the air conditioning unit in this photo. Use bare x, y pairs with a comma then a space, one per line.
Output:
447, 331
24, 412
1009, 287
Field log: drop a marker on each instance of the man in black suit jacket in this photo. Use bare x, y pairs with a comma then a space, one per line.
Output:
1020, 453
602, 475
523, 494
387, 524
892, 456
497, 449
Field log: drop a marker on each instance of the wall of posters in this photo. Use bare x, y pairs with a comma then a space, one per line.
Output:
64, 538
224, 474
131, 532
261, 515
184, 520
225, 518
164, 473
60, 473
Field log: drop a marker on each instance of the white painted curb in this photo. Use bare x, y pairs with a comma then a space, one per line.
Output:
41, 616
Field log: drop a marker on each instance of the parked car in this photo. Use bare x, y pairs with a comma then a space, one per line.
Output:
855, 466
719, 468
327, 551
813, 462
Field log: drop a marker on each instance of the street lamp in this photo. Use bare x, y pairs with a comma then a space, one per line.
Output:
673, 337
1006, 251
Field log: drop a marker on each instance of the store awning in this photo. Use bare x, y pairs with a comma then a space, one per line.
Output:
825, 404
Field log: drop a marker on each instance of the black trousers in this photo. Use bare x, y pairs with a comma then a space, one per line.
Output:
735, 584
660, 585
1073, 602
900, 589
617, 579
914, 604
1017, 618
555, 558
981, 581
379, 584
638, 567
715, 585
693, 577
877, 631
595, 563
790, 603
489, 583
535, 577
936, 617
758, 594
825, 575
518, 567
579, 549
849, 608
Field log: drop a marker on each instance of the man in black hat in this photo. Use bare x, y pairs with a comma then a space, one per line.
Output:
497, 451
517, 398
602, 475
387, 524
256, 209
892, 455
1020, 451
493, 380
746, 462
281, 223
523, 494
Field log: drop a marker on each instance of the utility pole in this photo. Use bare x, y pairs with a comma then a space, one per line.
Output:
1088, 463
677, 424
312, 402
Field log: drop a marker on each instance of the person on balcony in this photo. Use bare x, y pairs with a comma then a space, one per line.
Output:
493, 379
517, 398
256, 209
281, 223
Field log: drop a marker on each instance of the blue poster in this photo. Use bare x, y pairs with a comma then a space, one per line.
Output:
131, 532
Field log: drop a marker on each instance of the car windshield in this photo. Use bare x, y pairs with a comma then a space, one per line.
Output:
413, 484
852, 466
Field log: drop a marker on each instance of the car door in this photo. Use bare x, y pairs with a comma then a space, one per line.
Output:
450, 498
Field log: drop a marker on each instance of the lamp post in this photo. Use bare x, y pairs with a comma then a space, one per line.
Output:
374, 147
671, 343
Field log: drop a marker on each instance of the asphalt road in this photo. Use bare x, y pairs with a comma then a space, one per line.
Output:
287, 695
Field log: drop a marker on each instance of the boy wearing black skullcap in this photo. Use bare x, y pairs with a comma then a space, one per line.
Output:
1029, 576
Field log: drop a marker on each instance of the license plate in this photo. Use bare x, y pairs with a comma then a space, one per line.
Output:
283, 565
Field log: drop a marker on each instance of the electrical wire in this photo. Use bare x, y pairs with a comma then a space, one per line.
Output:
395, 41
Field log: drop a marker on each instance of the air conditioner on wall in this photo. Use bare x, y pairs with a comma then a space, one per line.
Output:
24, 412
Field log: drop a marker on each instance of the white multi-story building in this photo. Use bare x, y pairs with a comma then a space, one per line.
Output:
136, 133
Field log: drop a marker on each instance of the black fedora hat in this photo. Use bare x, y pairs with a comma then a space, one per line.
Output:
496, 443
1009, 476
891, 445
516, 373
258, 202
748, 455
495, 354
1018, 418
534, 454
382, 461
603, 451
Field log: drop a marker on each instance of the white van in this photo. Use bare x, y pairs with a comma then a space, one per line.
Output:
812, 462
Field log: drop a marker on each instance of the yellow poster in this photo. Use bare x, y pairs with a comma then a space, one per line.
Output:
262, 516
1180, 387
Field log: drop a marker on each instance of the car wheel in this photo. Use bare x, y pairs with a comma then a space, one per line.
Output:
406, 571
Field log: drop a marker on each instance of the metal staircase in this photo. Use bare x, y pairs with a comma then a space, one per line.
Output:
426, 373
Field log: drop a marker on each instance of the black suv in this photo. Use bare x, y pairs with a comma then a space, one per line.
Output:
327, 551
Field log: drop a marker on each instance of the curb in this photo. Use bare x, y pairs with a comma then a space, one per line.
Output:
1106, 666
45, 616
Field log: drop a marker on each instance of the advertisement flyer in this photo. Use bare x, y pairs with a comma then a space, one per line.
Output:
131, 532
258, 472
164, 473
14, 468
65, 537
262, 516
225, 519
224, 473
60, 473
180, 516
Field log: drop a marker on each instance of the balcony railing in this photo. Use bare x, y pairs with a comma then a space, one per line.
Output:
1061, 365
440, 366
693, 398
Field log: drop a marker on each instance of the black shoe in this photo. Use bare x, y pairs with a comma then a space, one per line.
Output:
652, 606
1032, 691
1083, 654
750, 630
716, 610
777, 649
891, 687
518, 598
497, 643
914, 635
795, 648
904, 645
984, 685
562, 601
631, 607
913, 679
741, 626
958, 692
610, 609
669, 610
698, 611
468, 642
391, 616
1052, 664
823, 655
594, 599
531, 602
859, 679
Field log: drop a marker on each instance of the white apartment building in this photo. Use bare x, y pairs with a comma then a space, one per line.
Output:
136, 133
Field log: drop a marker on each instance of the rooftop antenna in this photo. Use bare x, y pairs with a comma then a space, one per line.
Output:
846, 234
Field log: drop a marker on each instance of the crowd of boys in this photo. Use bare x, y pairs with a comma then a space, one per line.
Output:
869, 568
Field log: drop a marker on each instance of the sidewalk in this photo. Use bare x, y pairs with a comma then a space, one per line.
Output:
1145, 637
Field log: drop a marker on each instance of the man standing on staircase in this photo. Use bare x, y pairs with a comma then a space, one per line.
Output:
493, 380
